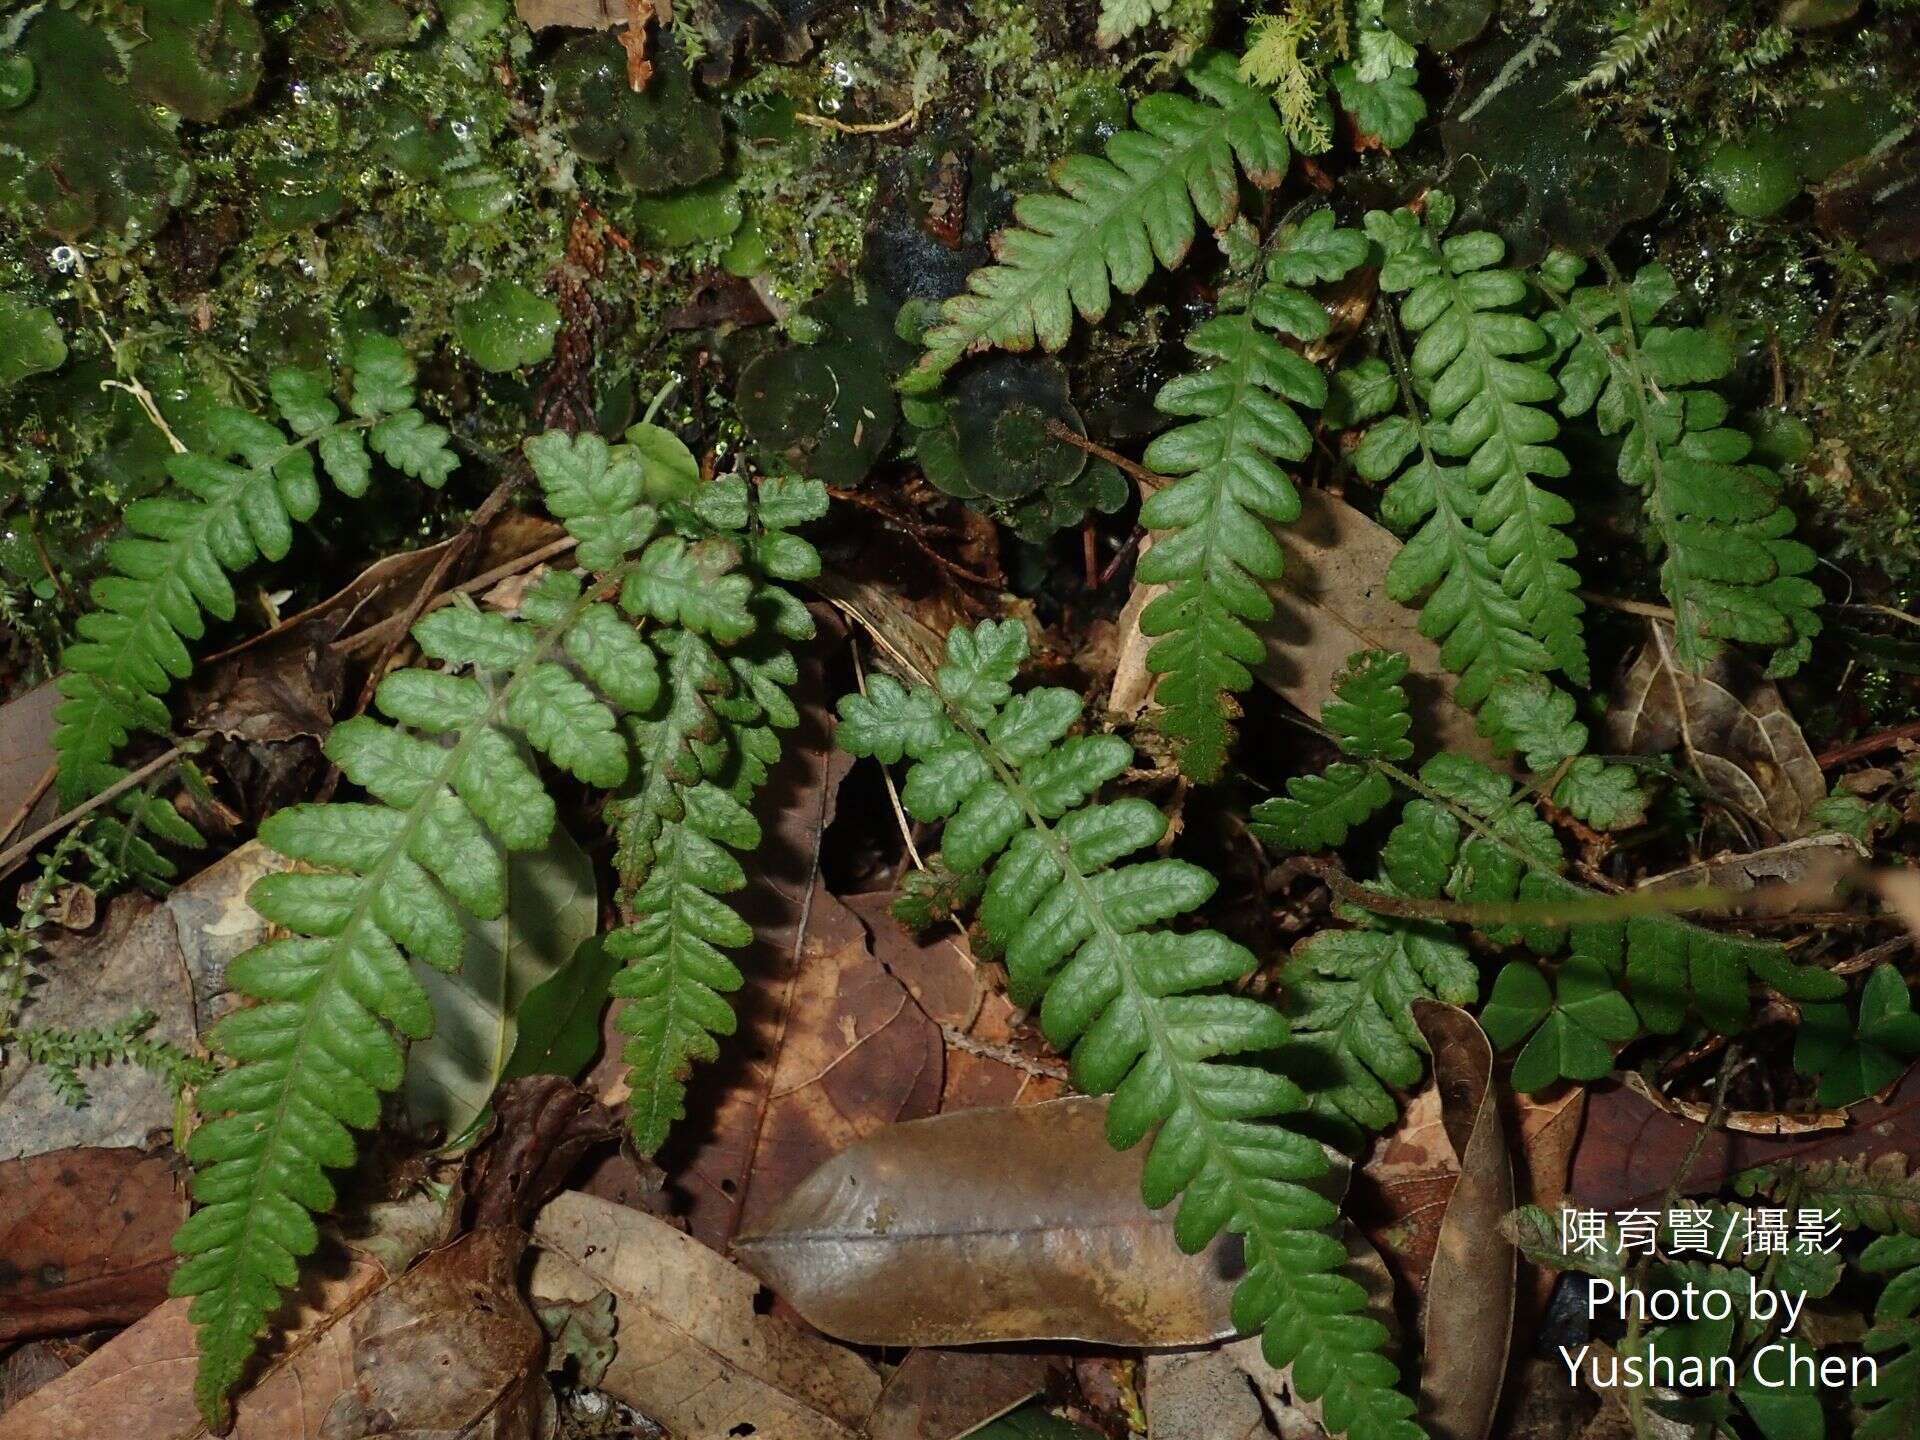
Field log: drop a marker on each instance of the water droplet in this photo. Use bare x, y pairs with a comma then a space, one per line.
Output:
461, 129
300, 93
63, 258
843, 74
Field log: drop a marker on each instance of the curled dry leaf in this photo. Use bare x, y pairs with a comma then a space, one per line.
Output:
545, 1125
1730, 723
987, 1225
694, 1353
1467, 1318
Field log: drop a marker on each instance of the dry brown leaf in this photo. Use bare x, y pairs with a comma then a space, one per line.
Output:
991, 1225
1202, 1395
938, 1394
1467, 1318
1730, 723
26, 755
448, 1352
1545, 1128
903, 646
694, 1353
1631, 1145
85, 1238
1803, 874
1331, 601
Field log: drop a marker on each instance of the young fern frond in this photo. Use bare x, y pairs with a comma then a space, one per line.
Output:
1136, 1005
1118, 217
1471, 836
1479, 368
1728, 565
229, 507
1213, 545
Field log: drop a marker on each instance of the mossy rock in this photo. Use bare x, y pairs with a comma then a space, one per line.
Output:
827, 408
83, 153
201, 57
988, 439
30, 341
1547, 169
506, 326
663, 138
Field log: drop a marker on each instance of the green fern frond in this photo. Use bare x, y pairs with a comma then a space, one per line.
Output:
1478, 367
229, 506
1213, 545
1876, 1193
706, 744
1368, 718
1729, 567
1135, 1004
1890, 1402
1115, 218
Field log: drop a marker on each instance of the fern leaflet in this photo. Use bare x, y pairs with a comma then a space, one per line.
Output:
1891, 1401
229, 507
1213, 546
1477, 368
1729, 567
1119, 216
1134, 1003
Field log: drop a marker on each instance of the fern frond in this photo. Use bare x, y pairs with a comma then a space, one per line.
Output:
1478, 366
1890, 1402
229, 506
1729, 567
449, 789
1114, 219
1135, 1004
1368, 718
1213, 546
705, 745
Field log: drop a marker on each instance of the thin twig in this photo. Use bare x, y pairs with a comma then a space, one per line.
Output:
1870, 745
1006, 1055
40, 788
874, 127
1060, 430
1630, 607
361, 638
16, 853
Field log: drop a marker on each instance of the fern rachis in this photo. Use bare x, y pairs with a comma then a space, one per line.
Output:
1015, 792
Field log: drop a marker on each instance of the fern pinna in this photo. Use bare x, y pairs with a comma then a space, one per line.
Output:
451, 786
1118, 216
1728, 565
1137, 1004
232, 503
1470, 836
1212, 545
1487, 551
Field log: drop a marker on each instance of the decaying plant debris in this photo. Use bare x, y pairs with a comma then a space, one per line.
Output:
887, 722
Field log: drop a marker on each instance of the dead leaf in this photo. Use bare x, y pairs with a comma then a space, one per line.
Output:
26, 757
1730, 723
1201, 1395
694, 1353
1467, 1318
903, 646
1331, 601
1630, 1147
991, 1225
1544, 1127
1803, 874
572, 14
448, 1350
85, 1238
544, 1124
937, 1394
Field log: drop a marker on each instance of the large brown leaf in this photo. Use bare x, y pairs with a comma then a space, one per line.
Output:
448, 1350
84, 1239
1730, 725
694, 1353
991, 1225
